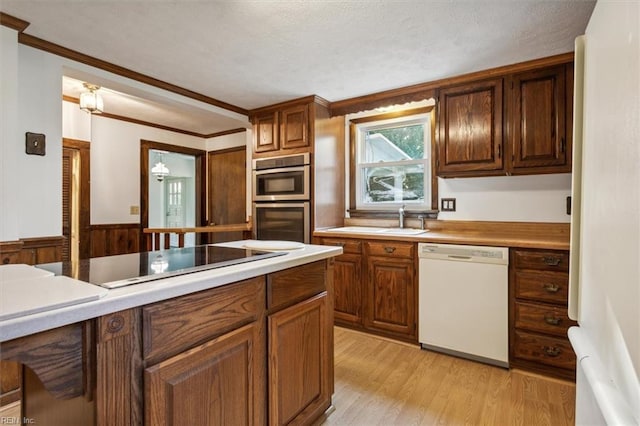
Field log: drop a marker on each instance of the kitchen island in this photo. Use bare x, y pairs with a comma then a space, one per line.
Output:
250, 343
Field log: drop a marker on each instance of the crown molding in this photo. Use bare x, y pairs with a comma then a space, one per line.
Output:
13, 22
38, 43
422, 91
140, 122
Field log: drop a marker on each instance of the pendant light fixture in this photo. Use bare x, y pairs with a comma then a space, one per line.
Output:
160, 170
91, 101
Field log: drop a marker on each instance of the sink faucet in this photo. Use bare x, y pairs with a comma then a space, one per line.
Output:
401, 217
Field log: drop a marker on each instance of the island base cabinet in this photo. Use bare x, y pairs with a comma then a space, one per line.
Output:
300, 358
217, 383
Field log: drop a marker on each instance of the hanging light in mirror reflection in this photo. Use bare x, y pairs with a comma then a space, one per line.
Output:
91, 101
160, 170
159, 265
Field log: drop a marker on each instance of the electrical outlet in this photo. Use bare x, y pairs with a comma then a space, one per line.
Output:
448, 204
134, 210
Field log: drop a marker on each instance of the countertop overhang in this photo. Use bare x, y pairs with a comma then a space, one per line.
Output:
154, 291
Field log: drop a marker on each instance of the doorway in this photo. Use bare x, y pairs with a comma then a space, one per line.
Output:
76, 215
159, 194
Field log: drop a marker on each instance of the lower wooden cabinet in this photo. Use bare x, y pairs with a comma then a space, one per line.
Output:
539, 288
212, 384
375, 287
391, 299
253, 352
300, 362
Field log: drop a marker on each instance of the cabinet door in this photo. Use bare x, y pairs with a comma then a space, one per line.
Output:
265, 127
537, 118
470, 129
10, 380
300, 360
347, 282
294, 127
391, 296
216, 383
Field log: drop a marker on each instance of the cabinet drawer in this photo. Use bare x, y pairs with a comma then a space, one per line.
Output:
542, 259
542, 285
552, 351
390, 248
543, 318
284, 288
172, 326
348, 246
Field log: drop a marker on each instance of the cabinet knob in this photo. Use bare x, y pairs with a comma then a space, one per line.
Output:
551, 288
552, 320
389, 249
552, 351
551, 260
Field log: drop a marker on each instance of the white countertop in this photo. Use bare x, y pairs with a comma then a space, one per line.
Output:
154, 291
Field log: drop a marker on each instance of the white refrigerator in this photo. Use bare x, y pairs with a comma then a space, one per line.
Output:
605, 246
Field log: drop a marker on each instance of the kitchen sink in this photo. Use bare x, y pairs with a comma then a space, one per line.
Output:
402, 231
377, 230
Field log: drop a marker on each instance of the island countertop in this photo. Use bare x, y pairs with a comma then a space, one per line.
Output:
166, 288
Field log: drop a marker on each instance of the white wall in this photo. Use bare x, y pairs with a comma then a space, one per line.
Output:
76, 124
609, 308
11, 147
227, 141
535, 198
40, 177
115, 166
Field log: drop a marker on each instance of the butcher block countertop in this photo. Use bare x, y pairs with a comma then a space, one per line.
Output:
553, 236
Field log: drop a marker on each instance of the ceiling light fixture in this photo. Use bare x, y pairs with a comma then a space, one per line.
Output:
91, 101
160, 170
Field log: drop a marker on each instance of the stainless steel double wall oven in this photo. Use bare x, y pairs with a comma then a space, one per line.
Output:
281, 198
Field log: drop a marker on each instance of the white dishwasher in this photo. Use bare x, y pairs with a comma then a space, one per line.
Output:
463, 301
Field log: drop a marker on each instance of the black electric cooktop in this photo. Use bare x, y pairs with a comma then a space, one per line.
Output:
127, 269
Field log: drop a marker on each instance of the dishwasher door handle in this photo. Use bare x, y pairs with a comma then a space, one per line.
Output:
457, 257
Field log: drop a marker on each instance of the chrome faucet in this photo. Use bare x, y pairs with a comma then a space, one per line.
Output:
401, 217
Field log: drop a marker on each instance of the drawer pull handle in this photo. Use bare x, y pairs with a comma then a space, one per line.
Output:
551, 261
551, 288
389, 249
339, 244
551, 320
552, 351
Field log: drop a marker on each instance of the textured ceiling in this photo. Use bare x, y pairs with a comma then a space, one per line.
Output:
255, 53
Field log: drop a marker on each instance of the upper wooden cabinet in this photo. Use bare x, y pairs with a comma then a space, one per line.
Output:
283, 129
538, 120
265, 128
516, 124
470, 128
294, 127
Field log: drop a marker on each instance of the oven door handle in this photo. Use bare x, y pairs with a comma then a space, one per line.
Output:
281, 170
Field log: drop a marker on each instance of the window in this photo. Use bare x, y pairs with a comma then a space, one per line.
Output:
392, 165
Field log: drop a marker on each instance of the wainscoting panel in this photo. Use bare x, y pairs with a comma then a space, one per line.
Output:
115, 238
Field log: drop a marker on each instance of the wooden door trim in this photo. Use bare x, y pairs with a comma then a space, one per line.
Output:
84, 150
200, 184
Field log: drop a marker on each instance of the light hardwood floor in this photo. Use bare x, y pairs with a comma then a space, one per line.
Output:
382, 382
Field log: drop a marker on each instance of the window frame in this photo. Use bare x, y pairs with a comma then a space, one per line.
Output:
354, 126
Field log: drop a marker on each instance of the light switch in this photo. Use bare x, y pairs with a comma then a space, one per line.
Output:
448, 204
134, 210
